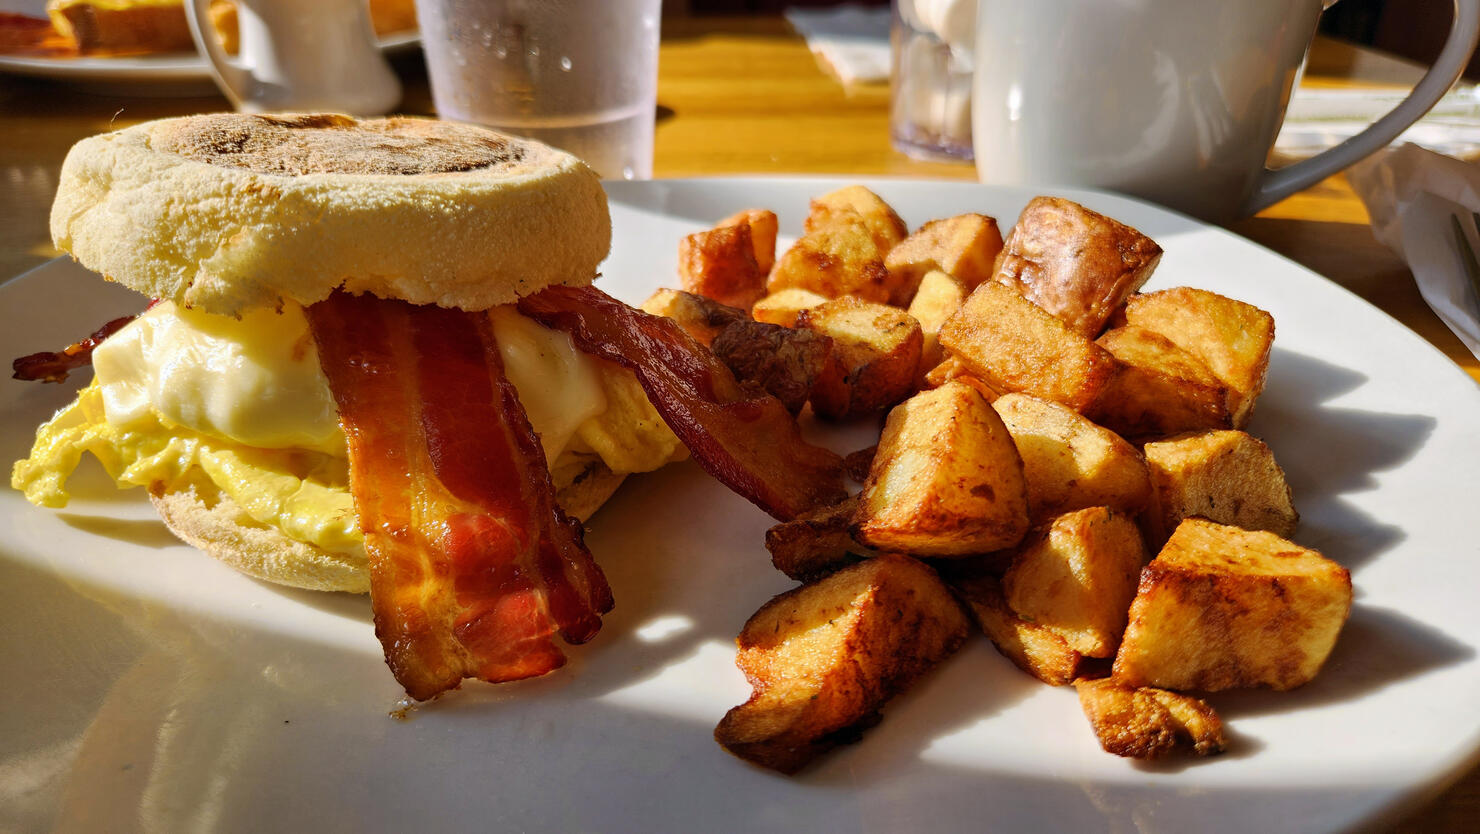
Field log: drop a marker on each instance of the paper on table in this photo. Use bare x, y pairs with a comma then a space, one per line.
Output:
1421, 204
1322, 118
852, 41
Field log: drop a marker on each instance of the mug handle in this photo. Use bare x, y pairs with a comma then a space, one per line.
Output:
232, 79
1464, 32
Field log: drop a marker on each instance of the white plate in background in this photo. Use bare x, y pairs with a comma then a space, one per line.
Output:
150, 684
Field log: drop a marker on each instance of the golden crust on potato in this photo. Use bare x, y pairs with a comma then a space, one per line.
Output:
965, 247
1227, 476
856, 202
938, 297
1012, 344
1077, 578
1070, 462
947, 479
1159, 389
763, 228
1222, 608
1148, 723
1034, 648
1231, 337
721, 264
1077, 264
838, 259
823, 659
878, 349
784, 306
702, 318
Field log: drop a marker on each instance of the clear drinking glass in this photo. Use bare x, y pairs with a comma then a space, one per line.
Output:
930, 77
581, 75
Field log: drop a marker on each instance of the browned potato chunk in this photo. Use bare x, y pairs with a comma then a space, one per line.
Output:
700, 317
1232, 338
783, 306
1159, 390
937, 299
788, 364
964, 246
835, 260
1078, 577
878, 347
1037, 650
1012, 344
1075, 263
1222, 607
1070, 462
720, 264
1225, 476
1148, 723
947, 479
858, 203
762, 223
816, 544
824, 659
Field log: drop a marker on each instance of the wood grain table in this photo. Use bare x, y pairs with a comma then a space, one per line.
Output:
744, 96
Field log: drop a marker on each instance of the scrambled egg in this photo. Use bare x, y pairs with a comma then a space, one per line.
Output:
179, 393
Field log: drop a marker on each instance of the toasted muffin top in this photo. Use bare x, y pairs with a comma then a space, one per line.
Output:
226, 212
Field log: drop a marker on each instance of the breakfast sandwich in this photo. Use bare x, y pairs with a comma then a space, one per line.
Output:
373, 362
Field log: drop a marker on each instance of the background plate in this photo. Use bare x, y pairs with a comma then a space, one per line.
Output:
152, 688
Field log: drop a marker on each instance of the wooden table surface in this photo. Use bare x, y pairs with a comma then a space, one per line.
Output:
745, 96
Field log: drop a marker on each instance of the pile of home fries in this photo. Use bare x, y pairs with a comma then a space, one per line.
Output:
1062, 467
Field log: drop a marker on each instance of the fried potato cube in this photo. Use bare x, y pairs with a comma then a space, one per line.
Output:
858, 203
720, 264
947, 479
1232, 338
1078, 577
1159, 389
1035, 649
878, 347
702, 318
783, 306
838, 259
763, 227
952, 368
816, 544
1075, 263
1070, 462
788, 364
1221, 608
964, 246
1012, 344
1225, 476
939, 296
824, 658
1148, 723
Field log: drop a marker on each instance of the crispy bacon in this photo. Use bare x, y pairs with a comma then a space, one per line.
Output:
474, 566
745, 439
54, 366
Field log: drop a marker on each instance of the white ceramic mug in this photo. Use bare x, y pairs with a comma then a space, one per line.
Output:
299, 55
1176, 101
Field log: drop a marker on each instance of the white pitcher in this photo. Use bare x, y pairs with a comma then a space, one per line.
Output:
299, 55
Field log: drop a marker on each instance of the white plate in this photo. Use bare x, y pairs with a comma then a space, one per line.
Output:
147, 683
145, 74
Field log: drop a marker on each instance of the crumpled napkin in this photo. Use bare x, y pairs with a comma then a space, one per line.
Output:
1320, 118
1423, 207
851, 41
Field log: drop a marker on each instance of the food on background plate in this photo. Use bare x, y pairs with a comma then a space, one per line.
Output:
1014, 469
376, 362
133, 27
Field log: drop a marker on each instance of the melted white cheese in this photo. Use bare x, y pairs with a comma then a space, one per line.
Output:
256, 380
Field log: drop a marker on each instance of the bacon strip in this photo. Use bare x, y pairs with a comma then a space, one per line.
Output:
474, 567
54, 366
745, 439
